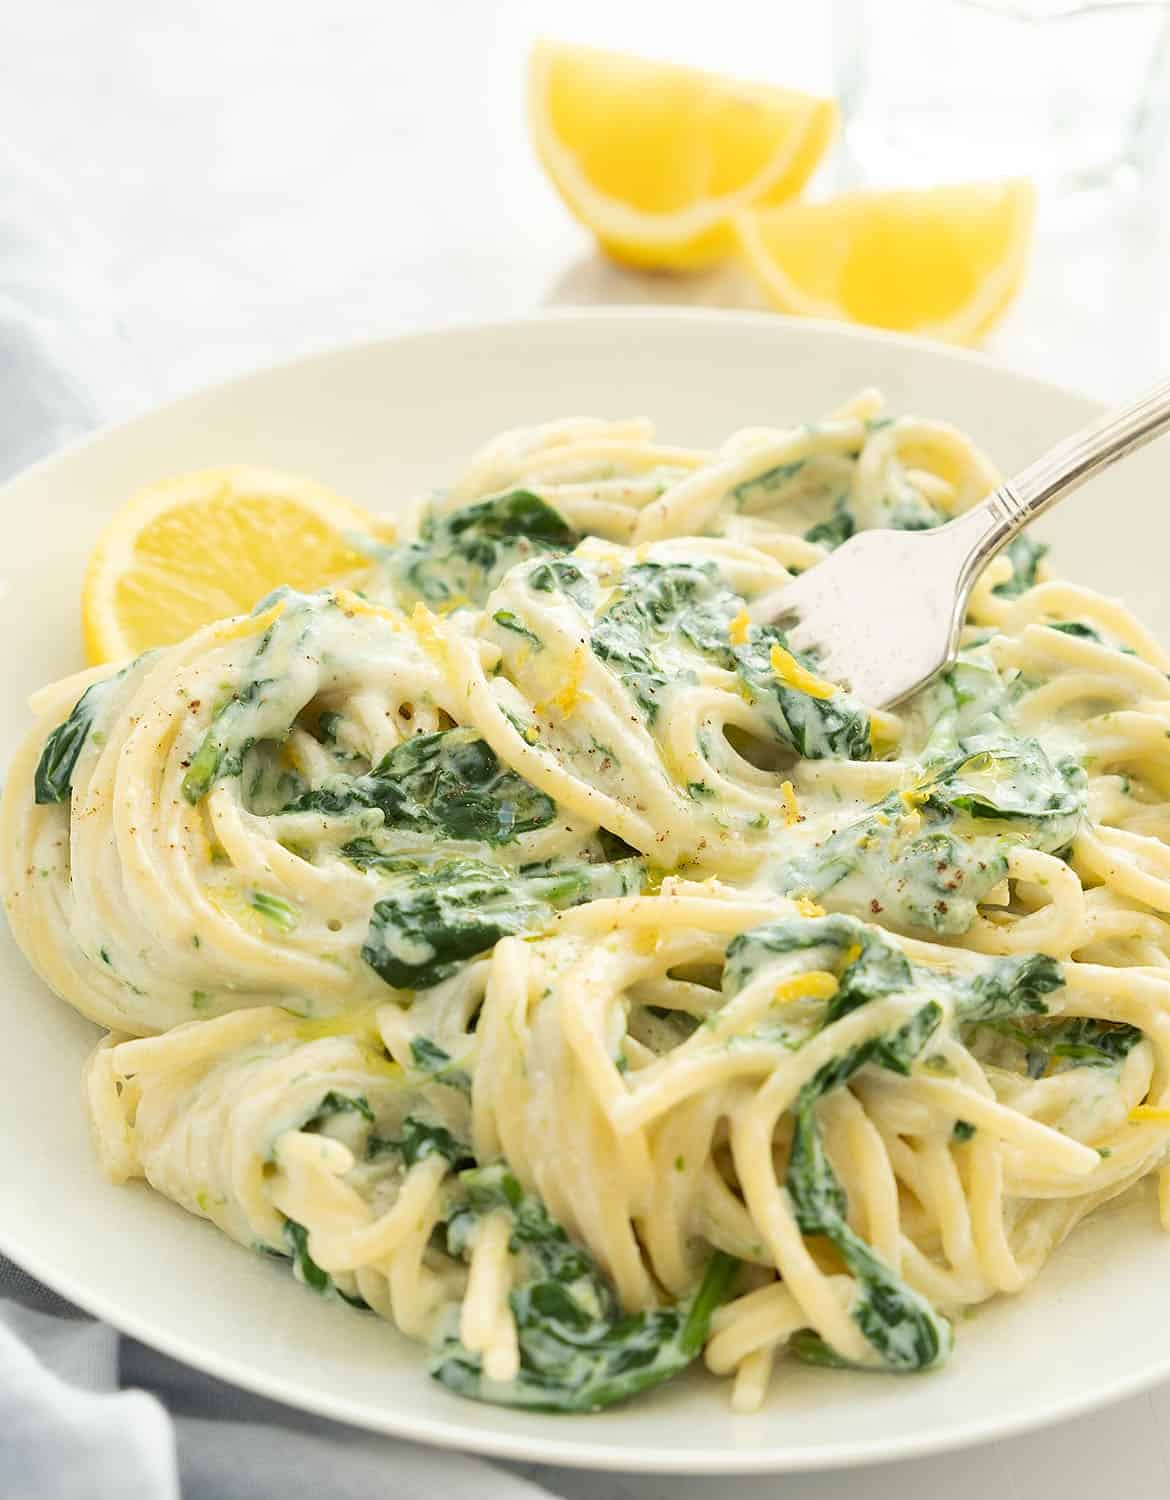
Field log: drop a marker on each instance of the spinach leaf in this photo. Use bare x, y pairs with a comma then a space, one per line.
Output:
578, 1350
816, 728
517, 514
877, 865
329, 725
53, 779
902, 857
421, 1139
335, 1103
915, 513
562, 578
869, 965
429, 1057
306, 1269
900, 1325
507, 619
222, 750
614, 849
1024, 554
269, 783
1087, 633
450, 783
652, 598
367, 856
1077, 628
1074, 1041
832, 532
764, 486
876, 967
461, 556
658, 604
434, 920
1013, 986
1013, 782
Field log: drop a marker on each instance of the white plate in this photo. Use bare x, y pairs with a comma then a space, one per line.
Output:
380, 422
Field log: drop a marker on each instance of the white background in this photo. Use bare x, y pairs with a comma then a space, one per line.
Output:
256, 177
227, 183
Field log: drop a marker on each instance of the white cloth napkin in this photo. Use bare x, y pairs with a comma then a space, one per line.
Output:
86, 1414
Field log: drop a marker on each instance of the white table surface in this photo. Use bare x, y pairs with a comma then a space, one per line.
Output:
240, 180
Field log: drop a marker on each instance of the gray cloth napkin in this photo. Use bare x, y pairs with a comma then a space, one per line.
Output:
87, 1414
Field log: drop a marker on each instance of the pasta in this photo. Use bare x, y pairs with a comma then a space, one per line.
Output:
534, 950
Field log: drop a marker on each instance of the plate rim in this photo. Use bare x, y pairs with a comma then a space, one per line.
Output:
324, 350
441, 1432
438, 1432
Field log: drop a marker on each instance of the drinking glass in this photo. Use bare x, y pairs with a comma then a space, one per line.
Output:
1070, 93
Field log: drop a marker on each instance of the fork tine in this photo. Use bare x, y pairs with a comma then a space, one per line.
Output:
835, 670
804, 637
776, 606
877, 616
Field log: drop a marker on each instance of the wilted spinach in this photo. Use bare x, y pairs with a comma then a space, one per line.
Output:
926, 856
1024, 554
1049, 1046
689, 604
306, 1268
450, 783
578, 1350
460, 556
432, 921
900, 1326
53, 778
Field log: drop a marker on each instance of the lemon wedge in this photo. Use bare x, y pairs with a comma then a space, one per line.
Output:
655, 159
944, 261
196, 548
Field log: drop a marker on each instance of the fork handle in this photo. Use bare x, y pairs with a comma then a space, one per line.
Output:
1063, 469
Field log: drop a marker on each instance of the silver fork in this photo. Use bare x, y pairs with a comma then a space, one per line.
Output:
882, 614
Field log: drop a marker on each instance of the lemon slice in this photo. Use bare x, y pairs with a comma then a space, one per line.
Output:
193, 549
655, 159
945, 261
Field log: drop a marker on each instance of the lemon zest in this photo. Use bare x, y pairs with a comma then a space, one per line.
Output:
572, 694
353, 604
793, 675
362, 1024
816, 985
426, 628
234, 630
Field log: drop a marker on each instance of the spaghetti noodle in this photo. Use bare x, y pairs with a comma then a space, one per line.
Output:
537, 952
